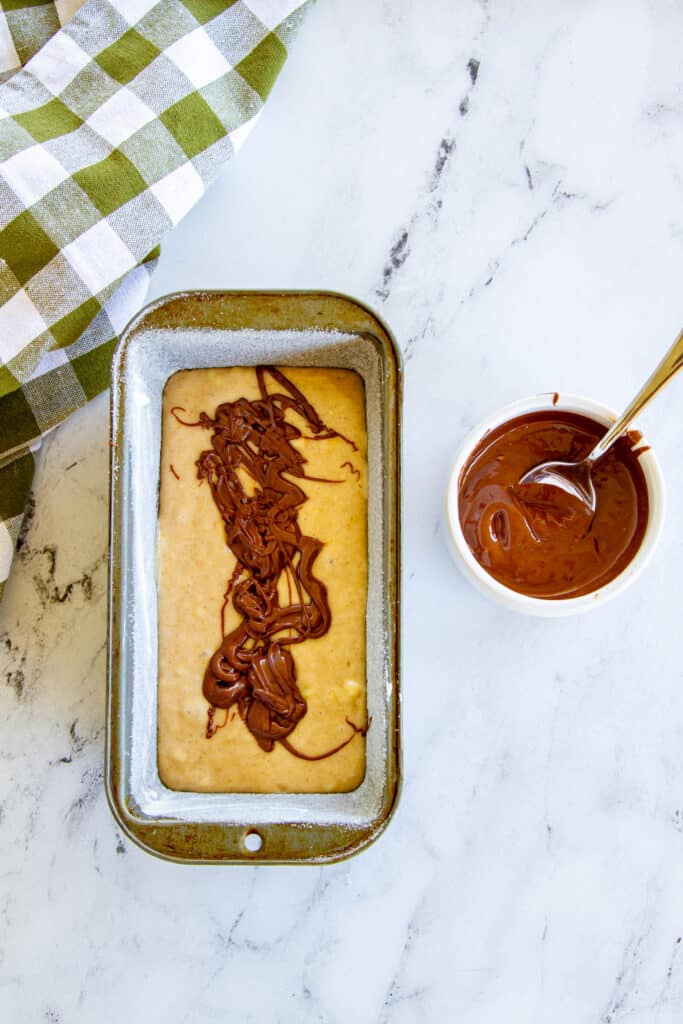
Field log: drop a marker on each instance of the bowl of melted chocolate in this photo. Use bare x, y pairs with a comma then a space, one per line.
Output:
533, 548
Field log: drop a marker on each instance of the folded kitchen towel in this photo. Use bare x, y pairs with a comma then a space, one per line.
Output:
115, 116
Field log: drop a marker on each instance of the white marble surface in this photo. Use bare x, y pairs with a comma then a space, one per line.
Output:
520, 233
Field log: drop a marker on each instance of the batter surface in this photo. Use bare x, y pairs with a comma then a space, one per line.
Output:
196, 565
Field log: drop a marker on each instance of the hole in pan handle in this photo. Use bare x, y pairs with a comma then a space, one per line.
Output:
253, 841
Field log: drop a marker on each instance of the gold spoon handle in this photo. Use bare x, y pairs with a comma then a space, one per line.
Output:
670, 364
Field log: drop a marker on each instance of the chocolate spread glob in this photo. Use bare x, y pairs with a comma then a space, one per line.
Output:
253, 669
527, 537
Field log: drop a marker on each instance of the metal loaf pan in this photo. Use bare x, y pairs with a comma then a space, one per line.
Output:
210, 329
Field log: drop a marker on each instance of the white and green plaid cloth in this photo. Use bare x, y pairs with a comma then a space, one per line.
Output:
115, 116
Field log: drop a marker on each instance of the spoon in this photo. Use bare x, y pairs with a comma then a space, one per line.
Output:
574, 478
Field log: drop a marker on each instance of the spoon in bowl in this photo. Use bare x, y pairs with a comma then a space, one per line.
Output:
574, 479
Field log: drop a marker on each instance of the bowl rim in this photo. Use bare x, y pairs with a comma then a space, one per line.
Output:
553, 607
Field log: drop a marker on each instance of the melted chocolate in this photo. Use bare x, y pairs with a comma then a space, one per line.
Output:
253, 669
352, 469
536, 543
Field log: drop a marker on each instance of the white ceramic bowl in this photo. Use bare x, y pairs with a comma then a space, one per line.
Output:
537, 605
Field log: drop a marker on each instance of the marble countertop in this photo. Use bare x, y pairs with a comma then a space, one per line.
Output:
503, 182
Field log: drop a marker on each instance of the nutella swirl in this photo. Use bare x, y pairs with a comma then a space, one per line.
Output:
253, 668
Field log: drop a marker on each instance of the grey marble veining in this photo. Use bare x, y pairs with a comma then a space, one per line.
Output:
502, 181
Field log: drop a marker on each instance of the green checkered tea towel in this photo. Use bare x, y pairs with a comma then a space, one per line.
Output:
115, 116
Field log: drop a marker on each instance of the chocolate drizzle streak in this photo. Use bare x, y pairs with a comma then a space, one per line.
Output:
253, 668
352, 468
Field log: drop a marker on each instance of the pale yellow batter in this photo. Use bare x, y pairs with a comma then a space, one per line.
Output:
195, 564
